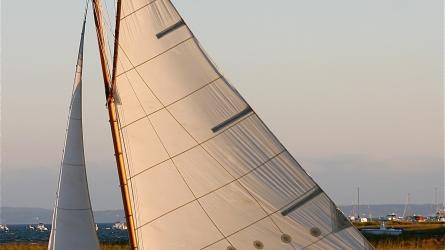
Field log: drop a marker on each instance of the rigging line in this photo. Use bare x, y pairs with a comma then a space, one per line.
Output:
153, 93
86, 9
105, 41
159, 138
174, 164
213, 65
126, 158
108, 23
210, 155
217, 71
236, 92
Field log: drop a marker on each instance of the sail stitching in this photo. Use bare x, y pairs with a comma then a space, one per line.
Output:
182, 125
168, 105
138, 9
221, 187
174, 164
153, 57
260, 219
252, 112
297, 163
199, 144
192, 136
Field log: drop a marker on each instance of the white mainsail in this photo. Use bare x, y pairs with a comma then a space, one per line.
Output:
73, 225
204, 172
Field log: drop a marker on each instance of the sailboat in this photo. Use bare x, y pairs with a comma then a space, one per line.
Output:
73, 226
198, 168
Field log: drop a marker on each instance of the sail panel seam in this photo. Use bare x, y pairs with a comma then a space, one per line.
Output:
199, 144
168, 105
225, 185
153, 57
318, 240
176, 167
262, 218
138, 9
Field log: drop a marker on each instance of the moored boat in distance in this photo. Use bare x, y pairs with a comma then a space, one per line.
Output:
382, 230
119, 226
41, 227
38, 228
4, 228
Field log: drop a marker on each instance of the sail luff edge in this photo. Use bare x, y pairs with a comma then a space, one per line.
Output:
114, 124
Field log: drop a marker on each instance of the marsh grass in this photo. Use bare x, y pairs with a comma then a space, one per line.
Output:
44, 246
432, 243
435, 243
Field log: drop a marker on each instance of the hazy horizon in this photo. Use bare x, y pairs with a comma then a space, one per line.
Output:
353, 89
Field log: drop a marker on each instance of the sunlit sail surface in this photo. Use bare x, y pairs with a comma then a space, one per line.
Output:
204, 171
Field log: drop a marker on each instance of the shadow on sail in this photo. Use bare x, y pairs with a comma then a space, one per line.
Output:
198, 168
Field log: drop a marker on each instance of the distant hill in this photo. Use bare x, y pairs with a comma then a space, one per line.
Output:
18, 215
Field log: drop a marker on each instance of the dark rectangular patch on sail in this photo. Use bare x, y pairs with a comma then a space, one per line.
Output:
309, 195
231, 119
170, 29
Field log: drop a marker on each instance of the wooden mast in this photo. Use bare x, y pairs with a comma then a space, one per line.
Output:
114, 124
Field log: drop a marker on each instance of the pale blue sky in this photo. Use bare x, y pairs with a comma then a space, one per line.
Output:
354, 89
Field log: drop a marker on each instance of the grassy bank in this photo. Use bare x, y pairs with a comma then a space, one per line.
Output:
380, 243
401, 243
44, 246
434, 243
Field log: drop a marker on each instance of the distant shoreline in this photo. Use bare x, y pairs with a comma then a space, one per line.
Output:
21, 216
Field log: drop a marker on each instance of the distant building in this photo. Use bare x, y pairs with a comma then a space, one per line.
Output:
440, 215
363, 219
392, 217
417, 218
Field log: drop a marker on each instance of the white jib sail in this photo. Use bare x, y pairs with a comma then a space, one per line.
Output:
204, 171
73, 226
